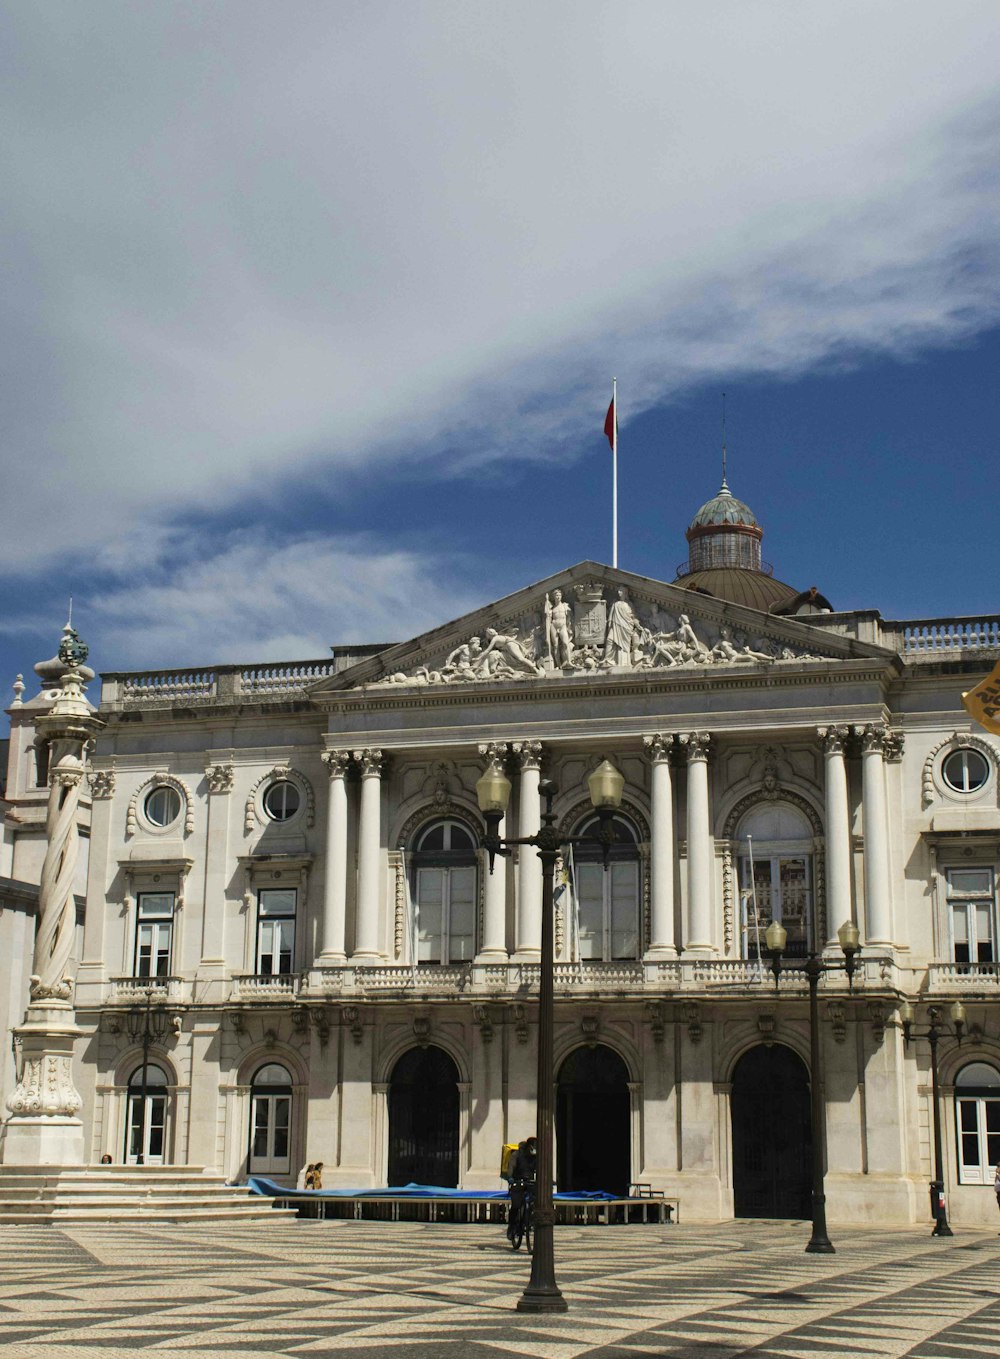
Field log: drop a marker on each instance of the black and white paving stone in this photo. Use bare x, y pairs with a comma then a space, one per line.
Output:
419, 1291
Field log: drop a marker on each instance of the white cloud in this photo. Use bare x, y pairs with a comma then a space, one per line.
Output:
247, 238
241, 600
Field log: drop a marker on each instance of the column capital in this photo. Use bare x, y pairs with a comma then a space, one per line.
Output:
833, 739
892, 746
528, 754
371, 762
659, 748
695, 745
336, 762
494, 754
873, 738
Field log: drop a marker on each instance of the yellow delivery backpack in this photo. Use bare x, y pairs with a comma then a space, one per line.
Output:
507, 1153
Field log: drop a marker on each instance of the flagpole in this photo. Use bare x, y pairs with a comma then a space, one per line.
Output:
614, 474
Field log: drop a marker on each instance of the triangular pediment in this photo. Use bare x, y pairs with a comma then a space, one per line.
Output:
594, 620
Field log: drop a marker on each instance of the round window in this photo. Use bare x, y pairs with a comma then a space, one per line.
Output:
163, 805
281, 801
965, 771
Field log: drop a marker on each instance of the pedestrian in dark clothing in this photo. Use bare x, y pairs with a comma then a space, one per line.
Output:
523, 1169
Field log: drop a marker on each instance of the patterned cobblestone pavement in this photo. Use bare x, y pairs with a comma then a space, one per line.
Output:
409, 1290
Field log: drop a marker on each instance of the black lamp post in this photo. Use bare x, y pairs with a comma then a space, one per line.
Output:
933, 1033
145, 1025
776, 936
493, 790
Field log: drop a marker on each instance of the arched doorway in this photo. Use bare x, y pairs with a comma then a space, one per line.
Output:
423, 1119
593, 1122
772, 1140
147, 1126
270, 1121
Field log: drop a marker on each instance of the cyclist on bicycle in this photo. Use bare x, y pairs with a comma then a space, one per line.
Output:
522, 1179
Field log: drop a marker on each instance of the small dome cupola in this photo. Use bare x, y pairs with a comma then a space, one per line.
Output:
724, 533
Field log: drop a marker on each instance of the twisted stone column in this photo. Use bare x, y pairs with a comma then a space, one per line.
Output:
43, 1128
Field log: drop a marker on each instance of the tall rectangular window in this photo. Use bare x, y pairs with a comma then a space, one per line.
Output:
971, 909
781, 889
154, 929
446, 914
275, 930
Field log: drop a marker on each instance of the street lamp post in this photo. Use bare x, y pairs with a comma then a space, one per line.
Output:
933, 1033
145, 1025
776, 936
493, 791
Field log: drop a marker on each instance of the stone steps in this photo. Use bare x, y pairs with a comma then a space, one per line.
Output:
37, 1194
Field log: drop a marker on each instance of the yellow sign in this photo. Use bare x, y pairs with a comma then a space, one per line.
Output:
983, 703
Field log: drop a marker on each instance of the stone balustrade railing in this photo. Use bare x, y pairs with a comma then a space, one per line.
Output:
916, 637
964, 977
687, 978
219, 684
134, 990
266, 986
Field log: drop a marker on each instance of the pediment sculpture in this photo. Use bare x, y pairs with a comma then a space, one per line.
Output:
596, 635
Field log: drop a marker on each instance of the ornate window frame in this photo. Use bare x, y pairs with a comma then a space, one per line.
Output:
932, 783
729, 847
254, 813
136, 818
446, 809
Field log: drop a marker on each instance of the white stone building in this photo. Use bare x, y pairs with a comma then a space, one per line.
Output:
287, 857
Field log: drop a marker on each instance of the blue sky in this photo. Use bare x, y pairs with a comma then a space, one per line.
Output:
312, 310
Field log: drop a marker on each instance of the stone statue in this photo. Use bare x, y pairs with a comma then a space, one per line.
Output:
624, 632
559, 629
725, 650
691, 648
506, 647
462, 661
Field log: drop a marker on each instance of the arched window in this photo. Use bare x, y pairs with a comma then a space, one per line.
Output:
607, 903
776, 876
443, 883
977, 1120
270, 1121
147, 1119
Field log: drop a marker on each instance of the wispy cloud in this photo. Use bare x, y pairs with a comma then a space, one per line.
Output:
247, 242
240, 599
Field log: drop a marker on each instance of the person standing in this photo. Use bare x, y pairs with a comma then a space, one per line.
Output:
996, 1185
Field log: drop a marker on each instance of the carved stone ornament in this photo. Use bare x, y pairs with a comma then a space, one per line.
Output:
659, 749
370, 762
528, 754
350, 1016
520, 1023
422, 1029
337, 762
832, 739
46, 1087
494, 755
657, 1020
482, 1016
695, 745
873, 738
102, 783
605, 630
838, 1020
765, 1027
590, 1026
219, 778
692, 1017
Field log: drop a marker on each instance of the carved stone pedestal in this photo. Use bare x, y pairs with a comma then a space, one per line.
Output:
43, 1128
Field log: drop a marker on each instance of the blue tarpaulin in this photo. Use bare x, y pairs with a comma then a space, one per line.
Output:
258, 1184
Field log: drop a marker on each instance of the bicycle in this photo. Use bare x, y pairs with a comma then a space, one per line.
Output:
519, 1223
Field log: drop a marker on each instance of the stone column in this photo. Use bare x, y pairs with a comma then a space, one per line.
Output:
493, 945
43, 1128
332, 946
661, 943
528, 931
366, 942
875, 821
838, 831
699, 844
219, 778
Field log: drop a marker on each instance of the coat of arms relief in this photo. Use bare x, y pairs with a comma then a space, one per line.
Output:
599, 631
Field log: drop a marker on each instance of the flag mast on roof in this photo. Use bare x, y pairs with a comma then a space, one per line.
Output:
611, 430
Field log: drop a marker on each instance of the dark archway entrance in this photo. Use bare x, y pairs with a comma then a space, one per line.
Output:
423, 1119
593, 1122
772, 1140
